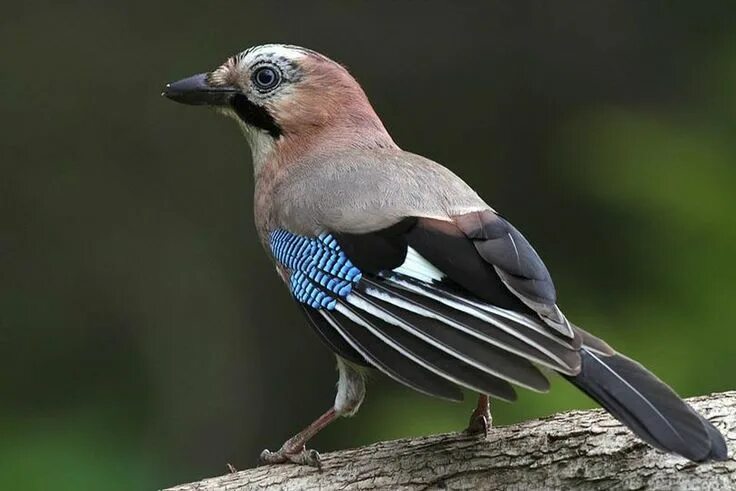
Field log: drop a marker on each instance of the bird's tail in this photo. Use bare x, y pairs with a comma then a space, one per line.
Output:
653, 411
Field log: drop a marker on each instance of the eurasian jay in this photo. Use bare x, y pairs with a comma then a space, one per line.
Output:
399, 266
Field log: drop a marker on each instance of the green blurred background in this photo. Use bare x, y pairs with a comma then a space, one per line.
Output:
144, 338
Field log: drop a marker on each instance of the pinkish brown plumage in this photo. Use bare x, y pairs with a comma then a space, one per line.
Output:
329, 105
401, 267
324, 107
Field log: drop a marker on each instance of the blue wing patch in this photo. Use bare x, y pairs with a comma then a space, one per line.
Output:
320, 270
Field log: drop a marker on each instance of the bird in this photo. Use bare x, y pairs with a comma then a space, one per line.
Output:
400, 267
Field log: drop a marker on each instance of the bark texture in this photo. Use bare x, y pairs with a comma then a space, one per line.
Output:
579, 449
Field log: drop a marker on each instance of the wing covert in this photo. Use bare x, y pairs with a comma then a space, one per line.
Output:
517, 263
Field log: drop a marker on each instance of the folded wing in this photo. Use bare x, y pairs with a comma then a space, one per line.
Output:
375, 300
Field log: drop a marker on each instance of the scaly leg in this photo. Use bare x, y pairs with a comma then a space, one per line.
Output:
294, 450
480, 420
350, 394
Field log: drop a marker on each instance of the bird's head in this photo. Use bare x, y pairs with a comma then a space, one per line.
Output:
286, 99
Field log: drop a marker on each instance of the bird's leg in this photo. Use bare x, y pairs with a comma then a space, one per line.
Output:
480, 420
294, 450
350, 394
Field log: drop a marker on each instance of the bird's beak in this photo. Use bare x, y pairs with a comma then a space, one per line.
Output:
196, 91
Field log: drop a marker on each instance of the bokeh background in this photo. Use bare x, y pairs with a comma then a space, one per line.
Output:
144, 339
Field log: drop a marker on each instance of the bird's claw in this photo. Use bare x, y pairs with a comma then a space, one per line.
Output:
480, 424
303, 456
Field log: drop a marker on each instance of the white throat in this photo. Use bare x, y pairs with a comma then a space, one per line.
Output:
261, 146
260, 142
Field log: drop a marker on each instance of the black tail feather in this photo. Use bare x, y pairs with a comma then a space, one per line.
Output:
645, 404
719, 450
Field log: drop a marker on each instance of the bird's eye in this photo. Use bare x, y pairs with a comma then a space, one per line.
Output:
266, 78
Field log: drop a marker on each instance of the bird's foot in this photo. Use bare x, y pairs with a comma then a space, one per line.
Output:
301, 456
479, 424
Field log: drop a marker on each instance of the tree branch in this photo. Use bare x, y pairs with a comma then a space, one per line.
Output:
580, 449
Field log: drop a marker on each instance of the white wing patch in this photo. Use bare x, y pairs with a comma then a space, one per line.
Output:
419, 268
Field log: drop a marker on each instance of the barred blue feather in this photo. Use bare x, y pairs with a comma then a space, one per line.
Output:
320, 270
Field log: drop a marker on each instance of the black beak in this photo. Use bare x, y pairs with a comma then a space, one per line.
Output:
196, 91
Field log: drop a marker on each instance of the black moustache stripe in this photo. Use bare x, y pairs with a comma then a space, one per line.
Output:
255, 115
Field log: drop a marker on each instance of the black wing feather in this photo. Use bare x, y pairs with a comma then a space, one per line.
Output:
424, 334
535, 345
389, 360
444, 245
444, 363
332, 338
516, 262
501, 244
